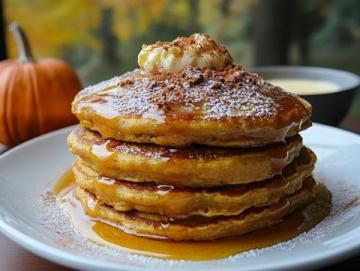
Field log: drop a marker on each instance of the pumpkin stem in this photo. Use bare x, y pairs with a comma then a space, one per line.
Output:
22, 43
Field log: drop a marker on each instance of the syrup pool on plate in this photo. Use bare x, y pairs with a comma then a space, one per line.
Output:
103, 233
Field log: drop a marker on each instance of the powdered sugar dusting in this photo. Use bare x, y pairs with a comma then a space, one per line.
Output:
188, 94
341, 197
339, 175
60, 226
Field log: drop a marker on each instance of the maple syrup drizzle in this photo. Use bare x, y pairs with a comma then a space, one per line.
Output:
103, 233
279, 155
104, 149
65, 181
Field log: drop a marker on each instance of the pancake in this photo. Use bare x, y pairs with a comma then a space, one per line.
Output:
229, 108
196, 228
176, 201
191, 166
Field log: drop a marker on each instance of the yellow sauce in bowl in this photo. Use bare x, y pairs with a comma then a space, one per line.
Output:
305, 86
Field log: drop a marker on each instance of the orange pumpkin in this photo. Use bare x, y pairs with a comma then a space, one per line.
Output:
35, 94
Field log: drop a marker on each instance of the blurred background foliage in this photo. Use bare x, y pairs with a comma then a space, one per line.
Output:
101, 38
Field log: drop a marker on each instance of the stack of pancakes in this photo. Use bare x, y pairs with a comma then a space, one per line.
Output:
196, 154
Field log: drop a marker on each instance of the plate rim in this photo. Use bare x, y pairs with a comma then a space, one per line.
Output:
78, 261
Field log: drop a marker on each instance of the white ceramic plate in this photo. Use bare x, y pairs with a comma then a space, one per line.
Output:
28, 171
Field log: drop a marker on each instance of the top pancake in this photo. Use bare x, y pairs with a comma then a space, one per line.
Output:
230, 108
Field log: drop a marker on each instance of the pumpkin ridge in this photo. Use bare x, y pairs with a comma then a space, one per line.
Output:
17, 111
65, 85
13, 131
35, 90
6, 126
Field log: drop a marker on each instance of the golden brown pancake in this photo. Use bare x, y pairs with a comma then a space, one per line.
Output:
196, 228
176, 201
191, 166
232, 108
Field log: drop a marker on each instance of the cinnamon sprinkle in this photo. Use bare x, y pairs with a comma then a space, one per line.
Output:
185, 42
191, 93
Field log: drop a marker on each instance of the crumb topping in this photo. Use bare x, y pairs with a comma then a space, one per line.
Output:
207, 44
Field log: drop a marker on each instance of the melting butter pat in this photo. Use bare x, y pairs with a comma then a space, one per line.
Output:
198, 50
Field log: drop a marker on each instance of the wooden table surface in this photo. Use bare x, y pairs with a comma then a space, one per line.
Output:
15, 258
